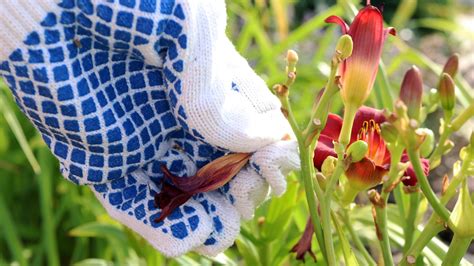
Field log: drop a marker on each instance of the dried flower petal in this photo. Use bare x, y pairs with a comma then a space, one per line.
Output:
304, 244
210, 177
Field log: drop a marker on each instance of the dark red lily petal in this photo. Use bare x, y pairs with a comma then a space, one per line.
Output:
324, 149
169, 199
339, 21
210, 177
366, 114
410, 176
333, 127
365, 174
304, 244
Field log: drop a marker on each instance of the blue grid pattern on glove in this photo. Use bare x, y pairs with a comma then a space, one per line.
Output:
106, 113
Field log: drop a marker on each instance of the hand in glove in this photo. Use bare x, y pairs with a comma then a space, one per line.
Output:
125, 92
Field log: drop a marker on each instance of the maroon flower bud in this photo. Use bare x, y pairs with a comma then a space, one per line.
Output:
446, 92
451, 66
411, 92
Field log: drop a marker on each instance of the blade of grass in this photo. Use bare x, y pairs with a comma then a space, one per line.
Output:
403, 13
445, 25
18, 132
303, 31
11, 236
46, 203
383, 90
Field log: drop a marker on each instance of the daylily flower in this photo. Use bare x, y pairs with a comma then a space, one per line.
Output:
358, 72
369, 171
176, 191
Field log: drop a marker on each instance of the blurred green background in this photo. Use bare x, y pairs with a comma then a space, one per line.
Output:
45, 220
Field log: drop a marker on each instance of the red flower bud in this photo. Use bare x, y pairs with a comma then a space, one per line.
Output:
411, 92
451, 66
446, 92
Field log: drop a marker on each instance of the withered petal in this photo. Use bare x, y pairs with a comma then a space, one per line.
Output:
213, 175
169, 199
303, 245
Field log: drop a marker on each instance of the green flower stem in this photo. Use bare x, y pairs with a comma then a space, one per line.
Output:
397, 193
306, 173
326, 199
432, 228
462, 118
425, 186
457, 249
449, 128
321, 111
310, 188
384, 240
381, 210
434, 225
355, 237
438, 152
410, 226
346, 130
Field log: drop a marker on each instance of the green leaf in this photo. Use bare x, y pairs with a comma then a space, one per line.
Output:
349, 256
248, 251
94, 262
279, 213
116, 237
12, 121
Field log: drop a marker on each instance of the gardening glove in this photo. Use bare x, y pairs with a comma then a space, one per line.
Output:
131, 92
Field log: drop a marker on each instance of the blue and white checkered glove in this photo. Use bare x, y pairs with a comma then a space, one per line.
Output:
120, 88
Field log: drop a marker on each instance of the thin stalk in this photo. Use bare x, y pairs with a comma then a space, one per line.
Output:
462, 118
432, 228
397, 193
437, 153
457, 249
449, 128
384, 240
325, 205
381, 209
410, 227
306, 173
46, 204
355, 237
425, 186
346, 130
11, 236
434, 225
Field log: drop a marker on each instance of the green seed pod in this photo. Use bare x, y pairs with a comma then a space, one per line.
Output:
357, 150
